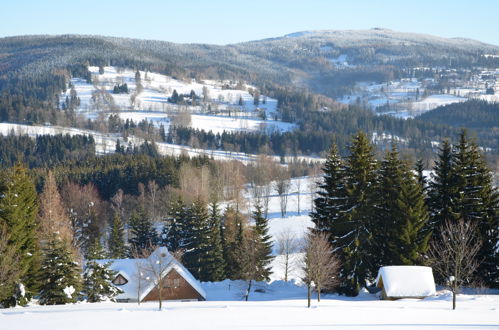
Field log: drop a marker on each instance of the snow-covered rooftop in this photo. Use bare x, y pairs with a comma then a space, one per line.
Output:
406, 281
131, 269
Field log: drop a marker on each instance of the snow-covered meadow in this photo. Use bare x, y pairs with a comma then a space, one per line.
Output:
151, 104
280, 308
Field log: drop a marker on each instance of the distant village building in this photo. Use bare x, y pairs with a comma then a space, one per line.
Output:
397, 282
138, 281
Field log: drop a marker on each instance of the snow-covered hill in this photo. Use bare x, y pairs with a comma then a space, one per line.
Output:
228, 110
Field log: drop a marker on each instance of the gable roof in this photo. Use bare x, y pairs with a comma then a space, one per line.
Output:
406, 281
129, 269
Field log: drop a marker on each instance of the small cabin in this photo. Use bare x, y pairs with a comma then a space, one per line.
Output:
138, 282
397, 282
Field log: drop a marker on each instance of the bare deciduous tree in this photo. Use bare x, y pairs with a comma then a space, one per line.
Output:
282, 185
320, 265
298, 192
86, 211
453, 254
313, 177
287, 244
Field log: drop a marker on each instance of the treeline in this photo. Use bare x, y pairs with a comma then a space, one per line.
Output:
44, 150
480, 116
387, 212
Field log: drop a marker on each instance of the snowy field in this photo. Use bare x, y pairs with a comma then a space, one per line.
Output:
152, 103
273, 312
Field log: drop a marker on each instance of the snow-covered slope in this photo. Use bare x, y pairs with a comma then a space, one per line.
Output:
229, 109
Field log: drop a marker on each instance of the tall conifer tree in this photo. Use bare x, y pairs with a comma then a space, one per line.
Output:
477, 201
116, 243
356, 246
265, 257
197, 256
60, 276
441, 190
216, 266
331, 201
143, 233
97, 276
18, 212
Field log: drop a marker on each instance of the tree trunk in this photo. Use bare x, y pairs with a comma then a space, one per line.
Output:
318, 293
248, 290
454, 299
308, 295
286, 267
160, 297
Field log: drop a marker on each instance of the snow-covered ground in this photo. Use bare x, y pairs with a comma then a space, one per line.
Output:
279, 308
152, 103
403, 97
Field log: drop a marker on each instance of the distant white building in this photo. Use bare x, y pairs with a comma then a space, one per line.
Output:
138, 278
398, 282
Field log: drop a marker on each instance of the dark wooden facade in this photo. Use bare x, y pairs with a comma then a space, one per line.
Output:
175, 288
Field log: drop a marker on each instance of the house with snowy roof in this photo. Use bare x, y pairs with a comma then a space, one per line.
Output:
139, 279
397, 282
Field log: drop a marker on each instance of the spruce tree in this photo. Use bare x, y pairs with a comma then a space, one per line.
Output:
116, 243
331, 201
441, 191
60, 276
264, 245
173, 236
18, 212
390, 180
197, 257
477, 201
356, 245
419, 168
97, 276
216, 267
143, 233
409, 239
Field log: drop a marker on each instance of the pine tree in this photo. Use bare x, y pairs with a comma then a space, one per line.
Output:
330, 205
143, 233
116, 243
18, 211
356, 245
216, 266
60, 276
264, 241
97, 276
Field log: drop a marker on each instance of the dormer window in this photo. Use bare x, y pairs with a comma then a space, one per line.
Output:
120, 280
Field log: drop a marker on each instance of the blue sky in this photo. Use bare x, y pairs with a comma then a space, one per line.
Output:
230, 21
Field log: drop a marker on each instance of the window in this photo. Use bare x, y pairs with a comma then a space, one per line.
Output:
120, 280
176, 283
